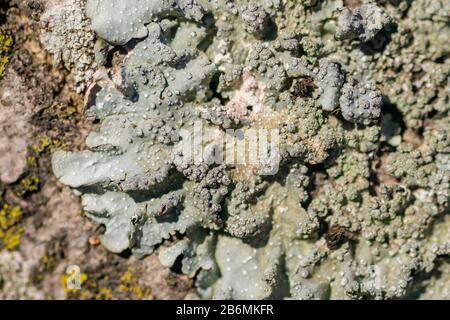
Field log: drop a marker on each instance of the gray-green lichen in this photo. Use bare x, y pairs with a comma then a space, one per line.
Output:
363, 22
68, 37
359, 206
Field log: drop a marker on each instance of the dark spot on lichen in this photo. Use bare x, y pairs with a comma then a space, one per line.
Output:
303, 88
337, 236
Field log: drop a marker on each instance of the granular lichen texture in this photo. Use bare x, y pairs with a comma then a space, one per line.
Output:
357, 205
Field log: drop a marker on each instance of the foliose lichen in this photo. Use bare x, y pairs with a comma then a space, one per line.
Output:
347, 215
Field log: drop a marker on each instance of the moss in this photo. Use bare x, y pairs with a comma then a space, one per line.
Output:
10, 228
6, 43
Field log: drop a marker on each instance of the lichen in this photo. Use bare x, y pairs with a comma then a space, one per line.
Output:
11, 229
28, 185
46, 144
346, 212
68, 38
129, 284
363, 22
6, 44
125, 285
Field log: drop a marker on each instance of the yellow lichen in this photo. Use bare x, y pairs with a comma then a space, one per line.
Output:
6, 43
104, 293
32, 161
45, 144
42, 146
95, 288
129, 284
29, 185
10, 228
63, 109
